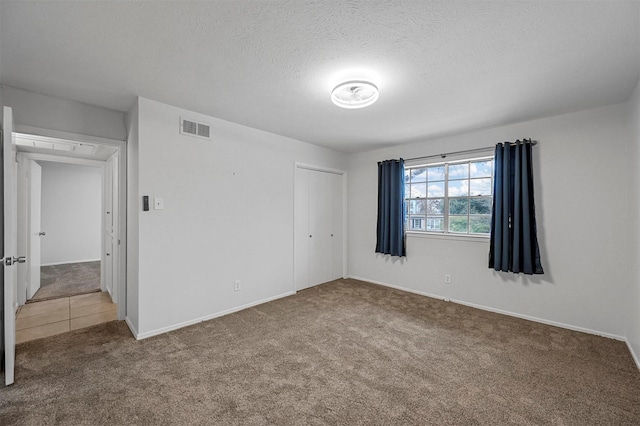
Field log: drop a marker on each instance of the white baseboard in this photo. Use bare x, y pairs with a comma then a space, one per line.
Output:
500, 311
633, 354
147, 334
133, 330
541, 320
397, 287
70, 261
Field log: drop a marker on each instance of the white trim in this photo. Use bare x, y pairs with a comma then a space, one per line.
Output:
541, 320
633, 354
408, 290
345, 217
502, 312
476, 238
319, 168
131, 327
140, 336
62, 159
71, 261
75, 137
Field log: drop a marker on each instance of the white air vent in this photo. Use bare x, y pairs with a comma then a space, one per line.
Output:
195, 129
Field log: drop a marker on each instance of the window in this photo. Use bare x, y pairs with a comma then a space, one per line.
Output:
450, 198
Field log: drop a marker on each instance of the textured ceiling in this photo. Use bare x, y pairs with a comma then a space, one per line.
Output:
442, 67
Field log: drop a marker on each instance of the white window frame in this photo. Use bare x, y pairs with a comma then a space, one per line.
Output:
445, 217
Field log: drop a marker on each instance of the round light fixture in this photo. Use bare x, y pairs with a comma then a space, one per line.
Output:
354, 94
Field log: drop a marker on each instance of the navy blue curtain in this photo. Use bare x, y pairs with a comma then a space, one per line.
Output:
514, 241
390, 235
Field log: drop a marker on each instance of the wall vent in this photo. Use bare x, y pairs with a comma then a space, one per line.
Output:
195, 129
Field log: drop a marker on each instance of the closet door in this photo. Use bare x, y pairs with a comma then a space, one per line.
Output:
337, 225
318, 240
321, 217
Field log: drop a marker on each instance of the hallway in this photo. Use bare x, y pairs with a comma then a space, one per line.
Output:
48, 318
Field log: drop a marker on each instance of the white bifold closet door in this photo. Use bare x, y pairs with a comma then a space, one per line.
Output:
319, 212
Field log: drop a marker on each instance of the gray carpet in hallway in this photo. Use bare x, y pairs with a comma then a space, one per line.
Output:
346, 352
66, 280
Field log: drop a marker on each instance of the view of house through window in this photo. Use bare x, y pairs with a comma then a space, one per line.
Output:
450, 197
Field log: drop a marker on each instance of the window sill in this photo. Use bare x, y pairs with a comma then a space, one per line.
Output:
455, 237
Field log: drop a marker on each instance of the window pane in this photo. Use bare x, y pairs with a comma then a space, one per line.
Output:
458, 188
459, 206
458, 224
468, 188
459, 171
435, 206
419, 175
435, 173
418, 190
480, 205
480, 186
436, 189
482, 169
416, 223
435, 224
480, 224
416, 206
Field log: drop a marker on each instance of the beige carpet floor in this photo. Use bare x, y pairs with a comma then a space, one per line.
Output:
343, 353
70, 279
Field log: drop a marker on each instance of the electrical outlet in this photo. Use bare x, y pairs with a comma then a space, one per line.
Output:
447, 279
236, 285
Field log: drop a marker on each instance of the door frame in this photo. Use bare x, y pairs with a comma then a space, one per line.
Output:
296, 231
120, 225
9, 245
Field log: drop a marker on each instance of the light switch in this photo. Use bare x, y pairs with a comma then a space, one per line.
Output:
158, 203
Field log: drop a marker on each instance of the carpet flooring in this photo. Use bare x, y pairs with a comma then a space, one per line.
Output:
70, 279
343, 353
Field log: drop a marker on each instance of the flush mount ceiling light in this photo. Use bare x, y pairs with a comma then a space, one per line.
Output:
354, 94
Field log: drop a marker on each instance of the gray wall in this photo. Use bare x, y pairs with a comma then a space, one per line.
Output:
583, 227
633, 192
46, 112
71, 213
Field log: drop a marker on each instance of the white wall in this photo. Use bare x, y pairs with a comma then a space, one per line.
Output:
133, 209
71, 213
46, 112
228, 215
633, 160
583, 228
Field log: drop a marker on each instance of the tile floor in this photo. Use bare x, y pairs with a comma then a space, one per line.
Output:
50, 317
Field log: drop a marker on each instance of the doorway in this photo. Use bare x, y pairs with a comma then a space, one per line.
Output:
64, 230
70, 226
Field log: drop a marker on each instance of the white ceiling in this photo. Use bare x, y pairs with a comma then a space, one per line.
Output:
442, 67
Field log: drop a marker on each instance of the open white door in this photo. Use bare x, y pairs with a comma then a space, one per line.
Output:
34, 231
10, 245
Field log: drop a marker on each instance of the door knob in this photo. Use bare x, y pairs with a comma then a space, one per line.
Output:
41, 234
20, 259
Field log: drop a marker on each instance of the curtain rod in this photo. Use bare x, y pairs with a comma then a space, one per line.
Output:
466, 151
